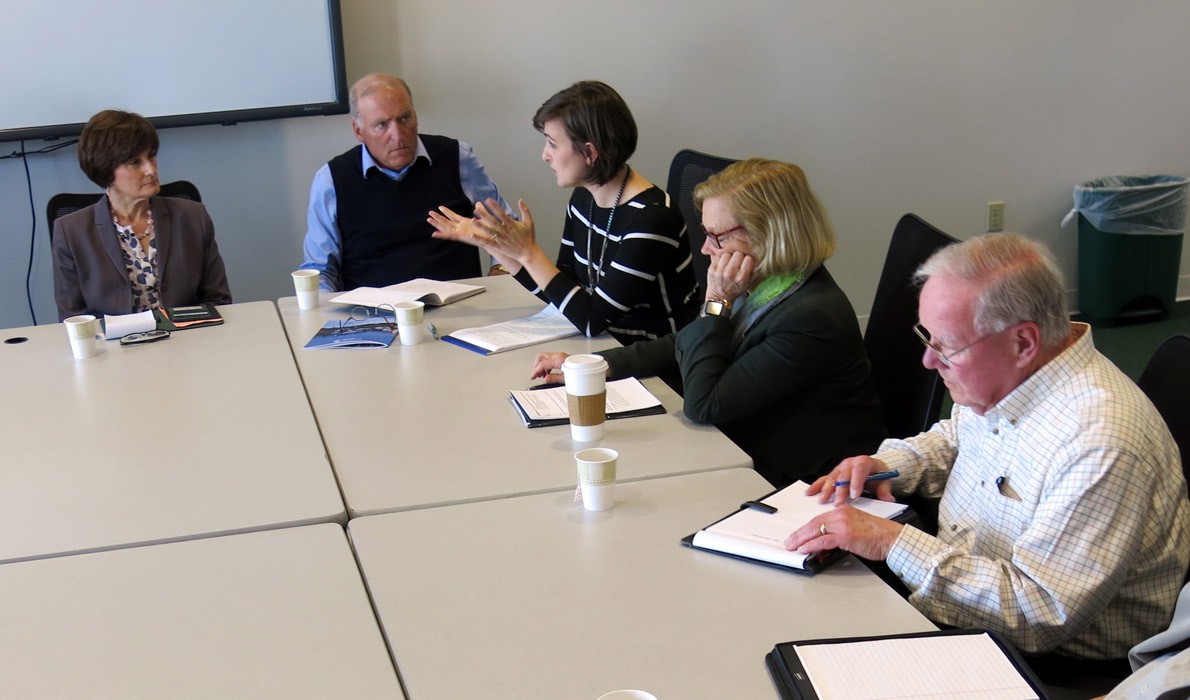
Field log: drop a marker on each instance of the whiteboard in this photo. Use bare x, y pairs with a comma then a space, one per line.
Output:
177, 62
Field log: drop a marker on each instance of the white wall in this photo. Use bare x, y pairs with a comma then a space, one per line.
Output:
930, 106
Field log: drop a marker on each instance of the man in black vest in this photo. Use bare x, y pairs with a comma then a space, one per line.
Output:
366, 224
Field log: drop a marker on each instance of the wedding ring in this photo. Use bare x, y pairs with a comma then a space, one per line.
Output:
822, 529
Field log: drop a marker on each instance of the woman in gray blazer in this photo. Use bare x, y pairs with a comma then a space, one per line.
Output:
776, 361
132, 250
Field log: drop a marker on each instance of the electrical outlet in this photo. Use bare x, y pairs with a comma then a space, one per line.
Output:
995, 216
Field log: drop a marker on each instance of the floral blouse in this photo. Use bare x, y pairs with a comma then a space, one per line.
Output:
141, 264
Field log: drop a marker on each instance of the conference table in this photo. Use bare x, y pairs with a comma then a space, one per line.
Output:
277, 614
172, 524
207, 432
431, 424
534, 597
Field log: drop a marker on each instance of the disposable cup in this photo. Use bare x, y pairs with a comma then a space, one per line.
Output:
628, 695
586, 396
597, 477
81, 330
413, 333
410, 313
305, 284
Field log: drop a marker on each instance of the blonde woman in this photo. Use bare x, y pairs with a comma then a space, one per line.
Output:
776, 359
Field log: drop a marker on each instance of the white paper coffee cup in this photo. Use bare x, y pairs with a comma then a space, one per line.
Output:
586, 396
81, 330
410, 313
628, 695
413, 333
597, 477
305, 284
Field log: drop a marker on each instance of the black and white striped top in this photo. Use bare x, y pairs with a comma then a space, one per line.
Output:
646, 287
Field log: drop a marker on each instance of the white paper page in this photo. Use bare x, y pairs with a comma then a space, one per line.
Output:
543, 326
956, 667
759, 535
433, 292
123, 324
622, 395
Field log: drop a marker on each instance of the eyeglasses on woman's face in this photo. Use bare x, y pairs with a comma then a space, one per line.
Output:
717, 238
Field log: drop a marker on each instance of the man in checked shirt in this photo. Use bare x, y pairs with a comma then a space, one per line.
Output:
1063, 523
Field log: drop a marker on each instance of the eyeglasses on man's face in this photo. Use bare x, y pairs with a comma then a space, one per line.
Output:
717, 238
947, 358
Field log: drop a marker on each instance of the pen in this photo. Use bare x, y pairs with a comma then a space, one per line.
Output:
759, 506
878, 476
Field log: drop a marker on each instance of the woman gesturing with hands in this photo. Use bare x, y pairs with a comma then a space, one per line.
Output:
624, 263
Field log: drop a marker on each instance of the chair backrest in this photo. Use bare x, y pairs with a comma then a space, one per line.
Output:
1166, 381
910, 394
687, 171
70, 202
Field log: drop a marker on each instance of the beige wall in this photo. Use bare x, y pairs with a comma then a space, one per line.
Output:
930, 106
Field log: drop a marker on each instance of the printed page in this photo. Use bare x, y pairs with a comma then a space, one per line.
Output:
956, 667
542, 327
432, 292
623, 395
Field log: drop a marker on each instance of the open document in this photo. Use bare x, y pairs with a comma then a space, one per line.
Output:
429, 292
760, 536
626, 398
542, 327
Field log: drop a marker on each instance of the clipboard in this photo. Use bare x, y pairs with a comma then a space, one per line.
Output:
792, 681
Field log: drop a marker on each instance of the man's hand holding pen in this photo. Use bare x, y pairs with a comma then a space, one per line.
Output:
846, 528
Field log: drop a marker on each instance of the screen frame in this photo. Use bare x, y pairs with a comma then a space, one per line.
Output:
337, 105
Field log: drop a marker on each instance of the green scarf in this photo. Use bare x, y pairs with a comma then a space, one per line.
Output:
771, 287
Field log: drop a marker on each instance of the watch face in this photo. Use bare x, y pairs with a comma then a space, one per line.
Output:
713, 308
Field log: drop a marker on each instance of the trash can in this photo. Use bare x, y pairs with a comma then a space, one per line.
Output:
1130, 232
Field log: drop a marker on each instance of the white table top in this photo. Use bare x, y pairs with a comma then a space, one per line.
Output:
278, 614
207, 432
431, 424
533, 597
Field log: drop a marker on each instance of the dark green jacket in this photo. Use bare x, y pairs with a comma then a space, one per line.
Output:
796, 395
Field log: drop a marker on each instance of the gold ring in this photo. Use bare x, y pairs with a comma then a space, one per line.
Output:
822, 528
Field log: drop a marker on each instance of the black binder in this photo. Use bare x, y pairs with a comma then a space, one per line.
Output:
813, 565
792, 683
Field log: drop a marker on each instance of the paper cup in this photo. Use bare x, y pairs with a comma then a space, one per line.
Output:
412, 334
586, 396
410, 313
597, 477
628, 695
305, 284
81, 330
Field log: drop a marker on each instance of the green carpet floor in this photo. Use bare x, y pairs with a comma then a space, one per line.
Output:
1131, 346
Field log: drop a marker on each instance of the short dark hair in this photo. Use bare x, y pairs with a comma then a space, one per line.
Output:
593, 112
112, 138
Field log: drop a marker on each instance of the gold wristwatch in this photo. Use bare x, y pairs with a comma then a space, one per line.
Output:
716, 307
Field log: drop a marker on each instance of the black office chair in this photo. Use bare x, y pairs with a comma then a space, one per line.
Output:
687, 171
69, 202
910, 395
1166, 381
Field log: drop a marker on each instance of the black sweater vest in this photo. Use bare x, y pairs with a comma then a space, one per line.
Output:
382, 223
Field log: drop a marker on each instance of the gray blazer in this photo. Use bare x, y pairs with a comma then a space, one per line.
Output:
89, 272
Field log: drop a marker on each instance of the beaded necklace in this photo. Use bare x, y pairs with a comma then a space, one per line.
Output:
593, 274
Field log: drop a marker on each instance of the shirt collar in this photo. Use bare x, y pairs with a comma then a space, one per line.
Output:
1038, 386
368, 162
